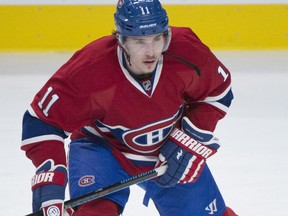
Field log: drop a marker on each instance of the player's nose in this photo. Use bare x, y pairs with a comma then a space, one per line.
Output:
149, 49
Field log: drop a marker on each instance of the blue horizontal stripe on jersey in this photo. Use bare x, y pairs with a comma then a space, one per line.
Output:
34, 127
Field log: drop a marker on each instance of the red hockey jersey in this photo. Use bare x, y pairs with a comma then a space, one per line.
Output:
93, 95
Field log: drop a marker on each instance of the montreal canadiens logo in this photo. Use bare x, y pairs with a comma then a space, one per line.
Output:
86, 180
149, 138
145, 139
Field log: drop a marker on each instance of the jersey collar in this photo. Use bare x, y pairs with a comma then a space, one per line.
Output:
133, 81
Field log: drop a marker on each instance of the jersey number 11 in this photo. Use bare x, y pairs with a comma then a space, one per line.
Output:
52, 100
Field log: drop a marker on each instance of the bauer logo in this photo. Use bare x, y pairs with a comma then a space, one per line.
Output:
148, 25
86, 181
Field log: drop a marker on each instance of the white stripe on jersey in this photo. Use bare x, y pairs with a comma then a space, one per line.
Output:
219, 106
140, 157
93, 131
32, 112
218, 97
213, 100
42, 138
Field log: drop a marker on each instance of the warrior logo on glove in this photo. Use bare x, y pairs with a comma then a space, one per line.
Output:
190, 144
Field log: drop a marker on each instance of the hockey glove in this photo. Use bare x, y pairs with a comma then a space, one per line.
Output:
204, 136
48, 186
185, 157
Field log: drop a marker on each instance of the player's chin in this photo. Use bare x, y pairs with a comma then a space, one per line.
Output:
149, 67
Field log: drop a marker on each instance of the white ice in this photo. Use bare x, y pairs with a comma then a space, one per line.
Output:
251, 168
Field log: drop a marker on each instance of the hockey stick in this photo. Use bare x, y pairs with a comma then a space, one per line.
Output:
110, 189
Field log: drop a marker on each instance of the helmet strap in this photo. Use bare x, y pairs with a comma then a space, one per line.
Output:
121, 41
127, 56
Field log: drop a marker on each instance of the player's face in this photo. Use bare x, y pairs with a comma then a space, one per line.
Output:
144, 52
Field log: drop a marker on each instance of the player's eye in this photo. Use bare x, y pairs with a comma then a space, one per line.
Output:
158, 38
140, 41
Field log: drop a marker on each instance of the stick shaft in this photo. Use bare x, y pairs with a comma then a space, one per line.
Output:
110, 189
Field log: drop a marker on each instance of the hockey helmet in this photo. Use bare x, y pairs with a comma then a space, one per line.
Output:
140, 18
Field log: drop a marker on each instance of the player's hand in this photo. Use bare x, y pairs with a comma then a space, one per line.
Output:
48, 186
56, 208
185, 157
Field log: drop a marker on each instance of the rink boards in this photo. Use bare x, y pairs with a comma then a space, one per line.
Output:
69, 27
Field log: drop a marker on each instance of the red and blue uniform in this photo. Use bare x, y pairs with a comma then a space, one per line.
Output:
93, 99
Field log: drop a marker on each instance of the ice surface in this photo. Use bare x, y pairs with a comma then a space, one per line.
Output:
251, 168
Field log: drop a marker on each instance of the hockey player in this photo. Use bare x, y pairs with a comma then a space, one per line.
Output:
148, 94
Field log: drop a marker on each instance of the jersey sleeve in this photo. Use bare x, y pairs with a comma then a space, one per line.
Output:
208, 95
56, 110
207, 90
214, 95
42, 141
